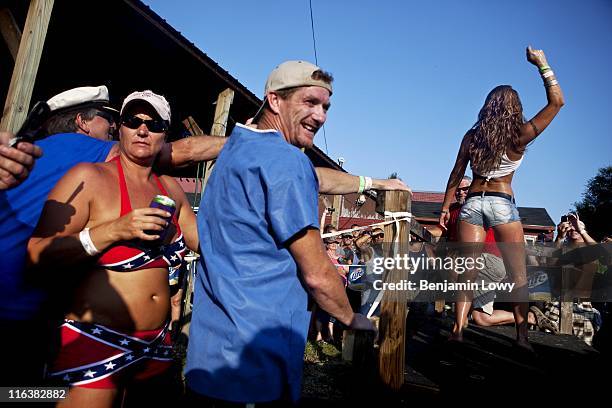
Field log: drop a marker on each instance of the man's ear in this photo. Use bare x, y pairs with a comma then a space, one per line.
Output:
274, 102
81, 123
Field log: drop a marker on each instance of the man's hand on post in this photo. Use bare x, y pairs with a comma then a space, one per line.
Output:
390, 184
360, 322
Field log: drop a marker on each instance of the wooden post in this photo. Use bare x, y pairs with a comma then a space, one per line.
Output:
192, 126
219, 127
392, 331
439, 305
348, 344
10, 31
335, 216
26, 65
566, 300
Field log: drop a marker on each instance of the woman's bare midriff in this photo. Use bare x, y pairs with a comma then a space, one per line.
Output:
500, 184
126, 301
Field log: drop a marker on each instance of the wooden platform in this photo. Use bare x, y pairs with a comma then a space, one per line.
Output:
486, 368
487, 364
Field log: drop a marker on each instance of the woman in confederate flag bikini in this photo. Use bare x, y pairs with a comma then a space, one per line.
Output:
115, 330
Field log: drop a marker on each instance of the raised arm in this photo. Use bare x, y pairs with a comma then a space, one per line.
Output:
57, 239
190, 150
184, 152
532, 128
364, 245
338, 182
463, 158
322, 280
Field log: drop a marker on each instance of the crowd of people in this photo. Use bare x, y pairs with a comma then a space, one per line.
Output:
91, 229
355, 248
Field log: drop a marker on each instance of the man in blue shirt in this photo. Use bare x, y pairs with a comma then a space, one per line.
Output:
262, 252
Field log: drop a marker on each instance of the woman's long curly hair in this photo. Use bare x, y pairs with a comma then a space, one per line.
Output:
497, 129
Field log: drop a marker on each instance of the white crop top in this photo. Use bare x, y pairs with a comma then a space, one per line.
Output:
506, 166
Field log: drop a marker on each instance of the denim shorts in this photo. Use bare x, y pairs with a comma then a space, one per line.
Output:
488, 211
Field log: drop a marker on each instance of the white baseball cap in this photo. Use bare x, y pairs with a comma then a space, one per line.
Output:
157, 102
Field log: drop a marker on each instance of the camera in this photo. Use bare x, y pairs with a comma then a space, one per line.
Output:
564, 218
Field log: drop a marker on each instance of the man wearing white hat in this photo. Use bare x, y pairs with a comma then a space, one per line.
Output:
84, 110
262, 252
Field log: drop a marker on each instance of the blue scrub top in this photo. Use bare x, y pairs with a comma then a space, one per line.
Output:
20, 209
250, 317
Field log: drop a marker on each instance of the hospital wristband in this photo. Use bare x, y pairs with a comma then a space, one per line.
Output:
87, 243
548, 84
361, 184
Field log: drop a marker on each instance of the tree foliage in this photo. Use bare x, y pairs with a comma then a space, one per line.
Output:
595, 209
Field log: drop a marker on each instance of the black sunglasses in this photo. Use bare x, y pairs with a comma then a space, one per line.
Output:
154, 125
105, 115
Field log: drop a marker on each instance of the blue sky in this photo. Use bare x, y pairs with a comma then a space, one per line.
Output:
410, 77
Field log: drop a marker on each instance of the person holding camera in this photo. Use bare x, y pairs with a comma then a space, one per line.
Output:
572, 230
572, 235
370, 245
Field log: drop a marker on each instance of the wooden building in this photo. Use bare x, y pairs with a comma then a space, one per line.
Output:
53, 45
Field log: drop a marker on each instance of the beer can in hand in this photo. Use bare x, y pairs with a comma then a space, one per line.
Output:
167, 204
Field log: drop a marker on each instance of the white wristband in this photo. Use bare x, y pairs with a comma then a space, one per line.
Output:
548, 74
87, 243
368, 183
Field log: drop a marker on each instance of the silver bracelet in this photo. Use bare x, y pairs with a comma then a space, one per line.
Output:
87, 243
553, 82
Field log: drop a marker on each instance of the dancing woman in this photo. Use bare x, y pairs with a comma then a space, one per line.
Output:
495, 148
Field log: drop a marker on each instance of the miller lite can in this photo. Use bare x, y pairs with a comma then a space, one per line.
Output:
357, 278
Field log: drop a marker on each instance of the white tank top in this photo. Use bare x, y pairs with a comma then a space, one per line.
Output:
506, 166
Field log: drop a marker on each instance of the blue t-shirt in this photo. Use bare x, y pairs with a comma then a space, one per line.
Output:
250, 317
20, 209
